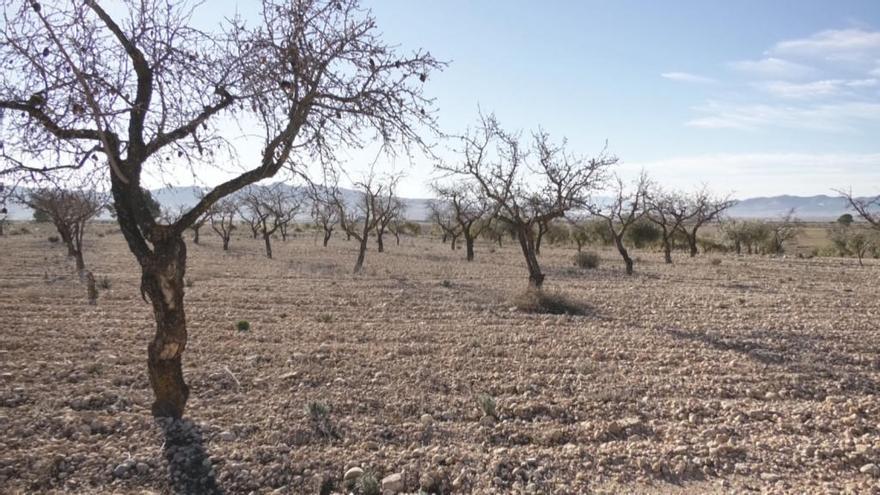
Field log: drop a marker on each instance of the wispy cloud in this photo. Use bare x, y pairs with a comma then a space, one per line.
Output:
829, 117
773, 68
687, 77
768, 174
841, 45
815, 89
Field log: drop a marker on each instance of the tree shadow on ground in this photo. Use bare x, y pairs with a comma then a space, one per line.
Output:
190, 469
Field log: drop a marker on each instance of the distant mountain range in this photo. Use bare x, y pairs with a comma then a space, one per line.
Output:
817, 208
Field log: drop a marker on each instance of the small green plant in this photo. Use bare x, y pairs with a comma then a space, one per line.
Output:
587, 260
243, 325
319, 417
486, 404
104, 282
446, 283
53, 239
325, 318
369, 484
715, 261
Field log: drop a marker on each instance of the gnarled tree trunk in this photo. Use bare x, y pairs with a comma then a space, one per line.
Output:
327, 234
527, 243
469, 245
618, 241
380, 241
362, 252
162, 282
267, 239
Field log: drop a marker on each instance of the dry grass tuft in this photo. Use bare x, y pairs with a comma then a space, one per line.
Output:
542, 302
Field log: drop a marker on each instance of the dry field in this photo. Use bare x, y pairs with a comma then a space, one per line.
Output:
752, 375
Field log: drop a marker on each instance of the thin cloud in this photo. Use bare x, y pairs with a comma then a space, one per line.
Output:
846, 45
845, 117
687, 77
773, 68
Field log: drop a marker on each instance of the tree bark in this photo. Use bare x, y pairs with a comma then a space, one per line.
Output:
268, 241
527, 243
624, 254
80, 263
327, 234
469, 246
196, 235
380, 242
692, 242
226, 243
454, 240
162, 282
362, 252
667, 250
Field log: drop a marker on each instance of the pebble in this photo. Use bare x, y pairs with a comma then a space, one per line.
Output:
871, 469
393, 483
353, 474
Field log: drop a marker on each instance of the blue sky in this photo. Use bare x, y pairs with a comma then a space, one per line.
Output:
752, 97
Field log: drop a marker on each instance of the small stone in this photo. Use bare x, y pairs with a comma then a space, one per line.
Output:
393, 483
427, 420
353, 474
226, 436
770, 477
121, 470
142, 467
871, 469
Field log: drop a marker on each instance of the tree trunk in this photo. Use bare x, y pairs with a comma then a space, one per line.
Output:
469, 246
737, 245
624, 254
541, 231
380, 242
667, 250
362, 252
454, 240
80, 263
397, 237
267, 239
692, 243
195, 235
327, 234
226, 243
162, 282
527, 243
443, 238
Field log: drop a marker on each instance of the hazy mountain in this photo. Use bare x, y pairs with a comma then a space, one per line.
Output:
820, 207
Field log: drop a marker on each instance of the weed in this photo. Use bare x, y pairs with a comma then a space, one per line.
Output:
243, 325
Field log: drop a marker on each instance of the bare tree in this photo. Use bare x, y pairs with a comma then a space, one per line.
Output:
625, 209
143, 86
390, 210
272, 208
442, 216
703, 207
362, 218
527, 186
222, 217
787, 228
467, 208
287, 207
325, 211
669, 210
867, 208
70, 210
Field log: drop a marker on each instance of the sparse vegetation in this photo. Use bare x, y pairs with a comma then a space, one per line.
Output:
544, 302
486, 405
587, 259
243, 325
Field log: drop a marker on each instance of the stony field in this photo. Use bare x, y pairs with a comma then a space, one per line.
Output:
748, 374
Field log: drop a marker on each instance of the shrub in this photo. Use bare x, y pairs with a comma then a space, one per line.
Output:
243, 325
486, 404
325, 318
104, 282
715, 261
369, 483
446, 283
554, 303
643, 233
53, 239
319, 416
587, 260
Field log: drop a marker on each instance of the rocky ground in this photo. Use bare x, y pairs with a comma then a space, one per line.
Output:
748, 374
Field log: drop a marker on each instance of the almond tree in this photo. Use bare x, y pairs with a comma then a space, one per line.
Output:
69, 210
703, 207
527, 184
442, 216
391, 210
625, 209
867, 208
468, 209
362, 218
271, 208
325, 211
669, 210
133, 88
222, 217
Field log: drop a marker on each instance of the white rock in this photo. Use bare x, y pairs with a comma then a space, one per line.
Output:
393, 483
353, 474
871, 469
